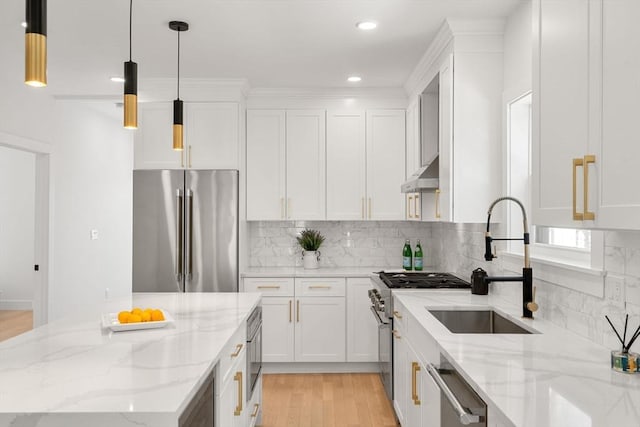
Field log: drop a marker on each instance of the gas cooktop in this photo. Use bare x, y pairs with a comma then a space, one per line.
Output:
422, 280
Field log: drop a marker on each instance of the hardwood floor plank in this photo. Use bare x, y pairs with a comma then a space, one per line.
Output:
325, 400
15, 322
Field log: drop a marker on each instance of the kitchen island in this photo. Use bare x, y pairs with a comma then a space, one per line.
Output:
72, 372
550, 378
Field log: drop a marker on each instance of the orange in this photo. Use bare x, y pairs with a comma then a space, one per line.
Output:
157, 315
136, 310
135, 318
146, 316
123, 317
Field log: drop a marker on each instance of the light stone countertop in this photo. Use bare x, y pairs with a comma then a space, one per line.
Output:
73, 373
318, 272
551, 379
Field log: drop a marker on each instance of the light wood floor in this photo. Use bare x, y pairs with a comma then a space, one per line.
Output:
325, 400
14, 322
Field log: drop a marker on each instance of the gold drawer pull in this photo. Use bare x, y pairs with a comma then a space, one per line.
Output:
298, 311
320, 287
587, 215
415, 367
268, 286
438, 203
238, 377
290, 311
238, 350
396, 334
577, 216
397, 314
256, 409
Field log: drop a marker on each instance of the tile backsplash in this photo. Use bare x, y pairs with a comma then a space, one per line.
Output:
459, 248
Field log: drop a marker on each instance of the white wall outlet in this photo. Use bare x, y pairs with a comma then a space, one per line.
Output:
94, 234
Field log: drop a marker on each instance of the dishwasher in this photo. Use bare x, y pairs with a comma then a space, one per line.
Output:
460, 405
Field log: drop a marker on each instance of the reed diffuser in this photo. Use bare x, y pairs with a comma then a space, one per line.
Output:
624, 360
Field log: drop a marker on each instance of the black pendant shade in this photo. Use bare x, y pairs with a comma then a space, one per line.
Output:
178, 108
35, 71
130, 85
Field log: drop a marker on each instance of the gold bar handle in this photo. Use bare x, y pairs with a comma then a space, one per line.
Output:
416, 206
238, 350
238, 377
298, 311
369, 207
409, 201
269, 287
577, 216
588, 159
397, 314
256, 409
290, 315
396, 334
415, 367
189, 157
437, 203
319, 287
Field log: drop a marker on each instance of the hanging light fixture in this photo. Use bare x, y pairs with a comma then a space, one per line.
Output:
130, 85
178, 131
35, 70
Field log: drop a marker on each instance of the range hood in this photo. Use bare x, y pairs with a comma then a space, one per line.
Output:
424, 179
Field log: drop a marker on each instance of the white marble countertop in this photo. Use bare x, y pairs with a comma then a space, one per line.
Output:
551, 379
319, 272
71, 372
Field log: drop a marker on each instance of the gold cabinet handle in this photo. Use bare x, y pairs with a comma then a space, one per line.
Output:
396, 334
362, 206
298, 311
269, 287
416, 206
282, 208
238, 377
238, 350
409, 201
319, 287
189, 157
415, 367
397, 314
369, 207
577, 216
588, 159
256, 409
437, 203
290, 315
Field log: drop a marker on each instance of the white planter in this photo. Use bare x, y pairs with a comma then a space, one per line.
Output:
310, 259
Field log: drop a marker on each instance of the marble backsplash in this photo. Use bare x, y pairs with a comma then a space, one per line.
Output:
347, 243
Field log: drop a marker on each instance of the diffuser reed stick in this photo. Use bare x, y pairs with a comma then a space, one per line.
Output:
623, 340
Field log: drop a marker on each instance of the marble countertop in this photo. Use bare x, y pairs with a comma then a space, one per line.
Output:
71, 372
552, 378
319, 272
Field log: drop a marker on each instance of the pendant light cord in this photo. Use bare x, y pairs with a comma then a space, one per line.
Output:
130, 31
178, 64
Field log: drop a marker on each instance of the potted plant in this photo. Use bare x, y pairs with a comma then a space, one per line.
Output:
310, 241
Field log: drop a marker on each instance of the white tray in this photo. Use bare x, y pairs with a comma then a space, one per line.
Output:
110, 321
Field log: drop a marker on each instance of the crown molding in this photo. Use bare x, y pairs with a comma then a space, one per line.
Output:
327, 93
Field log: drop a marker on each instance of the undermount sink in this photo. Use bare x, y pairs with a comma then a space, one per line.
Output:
477, 322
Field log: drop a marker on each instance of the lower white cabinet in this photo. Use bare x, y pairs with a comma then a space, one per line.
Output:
362, 328
254, 407
320, 329
230, 406
277, 329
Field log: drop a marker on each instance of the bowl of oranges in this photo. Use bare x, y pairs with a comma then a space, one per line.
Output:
137, 318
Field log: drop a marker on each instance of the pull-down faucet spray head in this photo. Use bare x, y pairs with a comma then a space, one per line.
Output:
488, 255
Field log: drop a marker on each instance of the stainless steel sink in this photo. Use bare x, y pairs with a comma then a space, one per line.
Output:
477, 322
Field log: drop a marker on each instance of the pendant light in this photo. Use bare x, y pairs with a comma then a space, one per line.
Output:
178, 131
35, 70
130, 85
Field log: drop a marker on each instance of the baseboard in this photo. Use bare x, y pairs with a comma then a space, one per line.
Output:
319, 368
16, 304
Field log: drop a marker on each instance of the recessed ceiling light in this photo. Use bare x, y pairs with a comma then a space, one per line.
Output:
366, 25
24, 24
117, 79
354, 79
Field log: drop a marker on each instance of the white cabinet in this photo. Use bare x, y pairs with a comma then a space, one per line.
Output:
230, 408
346, 166
286, 164
401, 394
277, 329
385, 154
254, 407
211, 132
320, 329
362, 328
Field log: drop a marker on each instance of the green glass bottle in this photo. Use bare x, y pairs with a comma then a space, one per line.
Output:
417, 257
406, 255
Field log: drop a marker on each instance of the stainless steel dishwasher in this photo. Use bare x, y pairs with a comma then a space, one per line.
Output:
460, 405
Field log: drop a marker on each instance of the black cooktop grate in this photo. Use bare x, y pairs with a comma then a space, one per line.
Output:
423, 280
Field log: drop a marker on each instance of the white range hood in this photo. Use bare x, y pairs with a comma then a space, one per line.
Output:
424, 179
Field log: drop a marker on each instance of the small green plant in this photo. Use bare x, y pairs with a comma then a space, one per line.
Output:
310, 240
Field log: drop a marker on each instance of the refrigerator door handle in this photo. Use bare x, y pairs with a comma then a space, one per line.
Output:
189, 238
179, 235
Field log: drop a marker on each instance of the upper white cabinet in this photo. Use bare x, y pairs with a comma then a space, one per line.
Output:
211, 132
585, 84
385, 154
285, 164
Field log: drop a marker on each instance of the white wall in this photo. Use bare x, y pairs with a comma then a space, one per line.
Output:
17, 207
92, 189
518, 53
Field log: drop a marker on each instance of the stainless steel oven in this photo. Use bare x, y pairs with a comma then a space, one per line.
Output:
254, 350
385, 350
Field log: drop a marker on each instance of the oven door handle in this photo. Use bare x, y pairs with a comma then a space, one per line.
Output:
377, 316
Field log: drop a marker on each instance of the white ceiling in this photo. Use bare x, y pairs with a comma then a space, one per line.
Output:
272, 43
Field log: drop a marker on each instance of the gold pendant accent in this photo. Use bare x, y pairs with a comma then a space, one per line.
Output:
130, 111
35, 70
178, 143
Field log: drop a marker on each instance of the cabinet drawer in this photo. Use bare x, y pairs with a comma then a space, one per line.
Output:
325, 287
232, 352
281, 286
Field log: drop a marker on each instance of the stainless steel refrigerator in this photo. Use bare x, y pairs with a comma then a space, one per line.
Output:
185, 231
